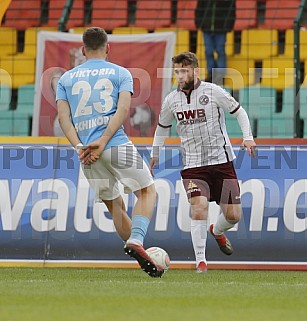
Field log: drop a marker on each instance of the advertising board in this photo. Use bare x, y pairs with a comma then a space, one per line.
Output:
47, 209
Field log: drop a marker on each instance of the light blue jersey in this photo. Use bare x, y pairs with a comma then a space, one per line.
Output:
92, 90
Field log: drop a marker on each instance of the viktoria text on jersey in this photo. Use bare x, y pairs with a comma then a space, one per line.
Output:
92, 72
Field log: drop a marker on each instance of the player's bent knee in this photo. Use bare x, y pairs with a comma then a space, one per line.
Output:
234, 217
232, 212
149, 191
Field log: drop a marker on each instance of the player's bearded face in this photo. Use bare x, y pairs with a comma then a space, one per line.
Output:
189, 84
185, 76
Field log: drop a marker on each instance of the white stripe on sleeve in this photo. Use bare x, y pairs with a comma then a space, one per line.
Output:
161, 134
244, 123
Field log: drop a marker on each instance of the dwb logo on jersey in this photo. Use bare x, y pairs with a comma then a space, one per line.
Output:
188, 117
203, 100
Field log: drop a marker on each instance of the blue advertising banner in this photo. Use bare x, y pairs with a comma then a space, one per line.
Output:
47, 209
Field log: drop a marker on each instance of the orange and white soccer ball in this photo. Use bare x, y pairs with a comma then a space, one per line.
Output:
159, 256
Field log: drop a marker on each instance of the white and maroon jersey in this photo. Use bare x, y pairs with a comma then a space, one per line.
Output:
201, 124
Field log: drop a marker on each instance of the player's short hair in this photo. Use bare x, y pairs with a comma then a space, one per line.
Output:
94, 38
186, 59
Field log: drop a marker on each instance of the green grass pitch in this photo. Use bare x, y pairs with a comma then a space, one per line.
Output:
72, 294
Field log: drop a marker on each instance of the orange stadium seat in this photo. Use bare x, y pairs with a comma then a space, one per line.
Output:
23, 14
76, 17
289, 43
109, 14
240, 72
182, 38
246, 14
259, 43
30, 41
186, 14
146, 14
8, 41
278, 72
279, 14
21, 67
129, 30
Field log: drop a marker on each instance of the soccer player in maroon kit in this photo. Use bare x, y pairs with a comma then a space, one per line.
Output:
199, 108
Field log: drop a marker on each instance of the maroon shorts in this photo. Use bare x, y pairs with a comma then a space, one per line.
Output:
218, 183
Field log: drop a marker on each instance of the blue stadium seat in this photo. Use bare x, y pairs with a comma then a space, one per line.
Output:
5, 97
303, 108
13, 124
258, 101
232, 125
174, 129
260, 104
25, 100
283, 122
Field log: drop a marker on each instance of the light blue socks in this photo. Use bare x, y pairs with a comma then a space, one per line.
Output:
139, 228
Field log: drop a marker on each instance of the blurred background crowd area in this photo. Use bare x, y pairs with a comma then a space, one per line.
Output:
266, 53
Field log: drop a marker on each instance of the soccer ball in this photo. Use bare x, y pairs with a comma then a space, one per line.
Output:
159, 256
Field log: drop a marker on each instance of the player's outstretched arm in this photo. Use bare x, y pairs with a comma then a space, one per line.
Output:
161, 134
250, 146
154, 162
248, 140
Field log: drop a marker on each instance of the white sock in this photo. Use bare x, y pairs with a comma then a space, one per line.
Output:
221, 225
199, 239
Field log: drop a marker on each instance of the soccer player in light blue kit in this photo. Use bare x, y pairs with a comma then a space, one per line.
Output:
93, 101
